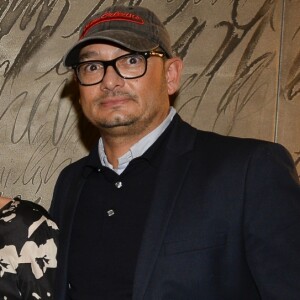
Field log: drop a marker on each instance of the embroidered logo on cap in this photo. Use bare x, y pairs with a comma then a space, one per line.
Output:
110, 17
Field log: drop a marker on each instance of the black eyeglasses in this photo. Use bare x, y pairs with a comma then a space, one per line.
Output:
128, 66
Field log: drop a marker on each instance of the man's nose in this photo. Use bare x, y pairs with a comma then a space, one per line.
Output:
111, 79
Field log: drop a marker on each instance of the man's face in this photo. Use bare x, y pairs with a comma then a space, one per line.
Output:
123, 107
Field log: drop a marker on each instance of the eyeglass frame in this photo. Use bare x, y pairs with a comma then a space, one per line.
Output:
112, 62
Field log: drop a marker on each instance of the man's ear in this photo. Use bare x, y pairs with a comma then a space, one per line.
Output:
173, 68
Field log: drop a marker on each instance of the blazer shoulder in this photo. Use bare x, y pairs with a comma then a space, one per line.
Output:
232, 143
214, 145
78, 165
237, 149
69, 169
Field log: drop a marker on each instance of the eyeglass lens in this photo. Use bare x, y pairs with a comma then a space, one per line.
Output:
127, 66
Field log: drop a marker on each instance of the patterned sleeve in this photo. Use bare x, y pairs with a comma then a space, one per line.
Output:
29, 252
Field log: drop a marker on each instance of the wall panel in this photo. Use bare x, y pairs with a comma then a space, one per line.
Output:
288, 125
241, 78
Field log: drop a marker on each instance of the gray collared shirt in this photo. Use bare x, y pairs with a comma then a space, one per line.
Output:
137, 149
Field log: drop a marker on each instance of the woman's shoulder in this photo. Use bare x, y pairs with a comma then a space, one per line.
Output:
25, 212
26, 207
29, 206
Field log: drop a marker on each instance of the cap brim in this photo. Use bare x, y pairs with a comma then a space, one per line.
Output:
126, 39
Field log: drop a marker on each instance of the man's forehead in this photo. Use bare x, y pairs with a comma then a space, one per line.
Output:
98, 49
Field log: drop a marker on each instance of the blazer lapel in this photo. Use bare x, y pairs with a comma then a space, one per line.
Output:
168, 185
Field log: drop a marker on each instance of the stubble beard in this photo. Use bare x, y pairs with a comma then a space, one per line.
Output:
128, 125
120, 123
119, 120
122, 126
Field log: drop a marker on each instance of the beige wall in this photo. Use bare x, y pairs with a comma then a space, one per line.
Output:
241, 78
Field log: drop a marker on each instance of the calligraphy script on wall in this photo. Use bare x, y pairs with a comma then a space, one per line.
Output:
241, 77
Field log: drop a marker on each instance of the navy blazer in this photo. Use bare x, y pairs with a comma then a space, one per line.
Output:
224, 221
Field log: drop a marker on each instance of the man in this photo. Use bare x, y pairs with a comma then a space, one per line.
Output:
158, 209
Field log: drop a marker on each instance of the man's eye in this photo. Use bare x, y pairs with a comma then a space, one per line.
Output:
91, 67
134, 60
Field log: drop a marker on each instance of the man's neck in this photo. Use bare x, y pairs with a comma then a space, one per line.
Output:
118, 142
116, 147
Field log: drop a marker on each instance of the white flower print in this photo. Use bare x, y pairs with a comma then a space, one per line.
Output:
23, 258
34, 226
40, 257
9, 213
8, 218
8, 260
36, 296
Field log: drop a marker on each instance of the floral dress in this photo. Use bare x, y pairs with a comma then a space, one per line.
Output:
28, 247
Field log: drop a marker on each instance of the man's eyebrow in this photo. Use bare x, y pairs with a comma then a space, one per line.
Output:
87, 55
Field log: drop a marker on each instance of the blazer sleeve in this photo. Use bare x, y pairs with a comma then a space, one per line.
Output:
272, 222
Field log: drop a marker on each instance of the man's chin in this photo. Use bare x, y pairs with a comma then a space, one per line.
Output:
116, 123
